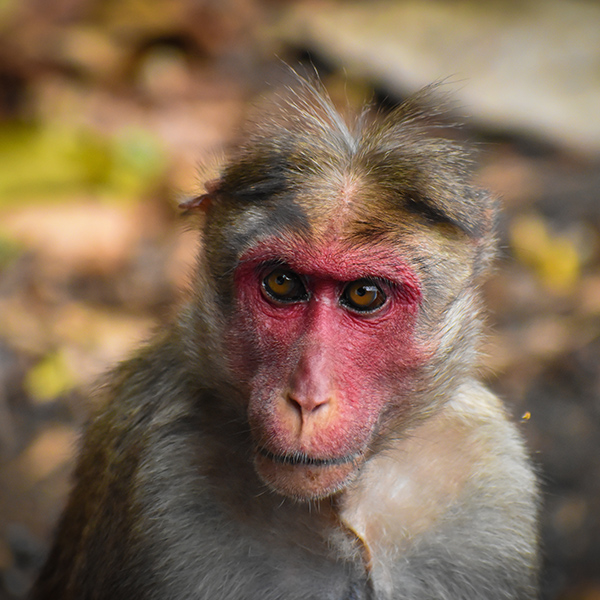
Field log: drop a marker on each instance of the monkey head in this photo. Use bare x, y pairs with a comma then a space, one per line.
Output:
342, 259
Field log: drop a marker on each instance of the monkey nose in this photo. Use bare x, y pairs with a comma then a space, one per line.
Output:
307, 404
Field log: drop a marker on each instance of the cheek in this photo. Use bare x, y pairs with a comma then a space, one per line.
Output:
383, 353
260, 336
379, 371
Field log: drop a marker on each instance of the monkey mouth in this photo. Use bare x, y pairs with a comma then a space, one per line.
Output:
299, 458
303, 477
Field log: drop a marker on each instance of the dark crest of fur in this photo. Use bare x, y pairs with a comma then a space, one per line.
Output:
301, 133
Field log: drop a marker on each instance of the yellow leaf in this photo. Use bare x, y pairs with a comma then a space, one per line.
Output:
554, 257
50, 378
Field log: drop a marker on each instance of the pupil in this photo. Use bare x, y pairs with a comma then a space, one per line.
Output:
361, 291
281, 279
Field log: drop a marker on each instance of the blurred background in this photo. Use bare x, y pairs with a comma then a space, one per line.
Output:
107, 107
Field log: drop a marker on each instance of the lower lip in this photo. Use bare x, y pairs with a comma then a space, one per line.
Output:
304, 478
303, 460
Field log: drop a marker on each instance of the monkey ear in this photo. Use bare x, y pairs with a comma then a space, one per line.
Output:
202, 201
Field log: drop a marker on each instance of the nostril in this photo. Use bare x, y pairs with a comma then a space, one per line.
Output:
318, 404
294, 404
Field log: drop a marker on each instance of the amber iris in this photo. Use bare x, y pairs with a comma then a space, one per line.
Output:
284, 285
363, 296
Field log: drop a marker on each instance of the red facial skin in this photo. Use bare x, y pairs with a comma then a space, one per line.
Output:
319, 374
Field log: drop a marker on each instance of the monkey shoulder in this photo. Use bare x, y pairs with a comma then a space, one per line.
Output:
98, 545
457, 492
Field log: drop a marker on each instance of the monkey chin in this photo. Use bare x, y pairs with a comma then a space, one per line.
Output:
304, 479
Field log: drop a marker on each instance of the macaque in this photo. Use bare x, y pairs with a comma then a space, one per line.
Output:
312, 425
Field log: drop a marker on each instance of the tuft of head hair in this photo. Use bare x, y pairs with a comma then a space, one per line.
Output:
300, 134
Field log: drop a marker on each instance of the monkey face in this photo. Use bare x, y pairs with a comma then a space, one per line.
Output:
335, 253
319, 337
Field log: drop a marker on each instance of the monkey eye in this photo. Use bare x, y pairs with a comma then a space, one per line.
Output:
283, 285
363, 295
